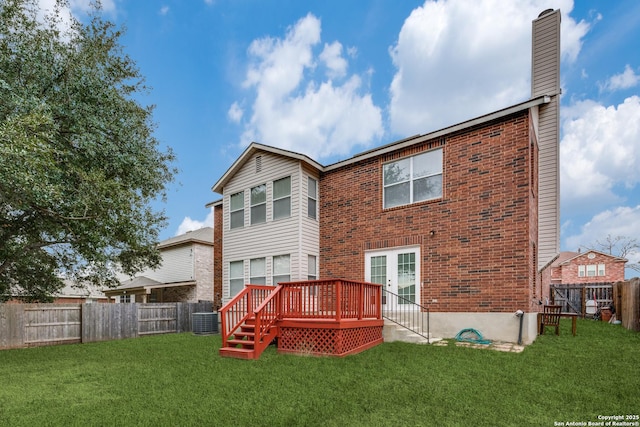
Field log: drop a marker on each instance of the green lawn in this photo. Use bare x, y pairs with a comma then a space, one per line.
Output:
179, 380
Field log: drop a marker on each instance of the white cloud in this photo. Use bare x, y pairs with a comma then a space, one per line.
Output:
164, 10
189, 224
335, 62
599, 151
625, 80
235, 113
456, 60
291, 110
620, 221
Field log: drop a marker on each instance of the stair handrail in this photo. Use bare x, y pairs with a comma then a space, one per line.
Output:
232, 319
266, 316
417, 310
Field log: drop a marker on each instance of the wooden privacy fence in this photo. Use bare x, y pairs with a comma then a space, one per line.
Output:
623, 297
25, 325
626, 297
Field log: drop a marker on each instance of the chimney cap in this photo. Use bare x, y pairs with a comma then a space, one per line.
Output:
545, 12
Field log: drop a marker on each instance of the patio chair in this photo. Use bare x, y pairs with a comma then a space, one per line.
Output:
551, 317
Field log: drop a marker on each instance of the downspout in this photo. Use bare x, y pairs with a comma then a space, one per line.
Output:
520, 314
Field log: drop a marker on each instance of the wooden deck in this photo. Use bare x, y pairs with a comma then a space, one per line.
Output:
320, 317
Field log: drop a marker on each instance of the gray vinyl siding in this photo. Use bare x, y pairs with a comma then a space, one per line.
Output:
177, 266
295, 236
545, 80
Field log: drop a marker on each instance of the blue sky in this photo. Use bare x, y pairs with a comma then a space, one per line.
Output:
333, 78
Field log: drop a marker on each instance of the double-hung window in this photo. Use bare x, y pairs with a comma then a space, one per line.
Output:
581, 271
259, 204
311, 267
236, 277
413, 179
237, 210
591, 270
257, 270
281, 269
600, 269
282, 198
312, 198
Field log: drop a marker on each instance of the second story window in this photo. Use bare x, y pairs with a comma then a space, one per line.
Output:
312, 199
282, 198
259, 204
237, 210
413, 179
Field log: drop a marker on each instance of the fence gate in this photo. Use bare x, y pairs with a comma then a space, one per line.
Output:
573, 298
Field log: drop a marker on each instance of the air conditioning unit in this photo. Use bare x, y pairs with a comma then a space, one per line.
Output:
204, 323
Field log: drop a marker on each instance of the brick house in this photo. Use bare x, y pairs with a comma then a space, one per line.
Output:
459, 220
184, 275
582, 268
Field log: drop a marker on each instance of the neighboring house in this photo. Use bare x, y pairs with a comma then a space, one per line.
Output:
79, 295
185, 274
458, 220
582, 268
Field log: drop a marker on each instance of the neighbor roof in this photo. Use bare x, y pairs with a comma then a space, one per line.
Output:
203, 235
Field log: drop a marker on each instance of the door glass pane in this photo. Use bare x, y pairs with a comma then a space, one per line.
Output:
407, 277
379, 270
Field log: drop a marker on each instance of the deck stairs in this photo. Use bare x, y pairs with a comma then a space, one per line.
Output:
242, 344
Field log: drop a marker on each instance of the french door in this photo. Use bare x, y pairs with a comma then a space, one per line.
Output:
397, 270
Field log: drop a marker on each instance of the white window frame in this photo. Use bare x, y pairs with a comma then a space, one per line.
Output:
280, 199
236, 211
279, 274
312, 199
412, 178
257, 273
592, 270
582, 272
312, 267
233, 280
262, 205
601, 270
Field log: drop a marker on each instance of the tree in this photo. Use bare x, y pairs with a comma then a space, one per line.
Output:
620, 246
79, 164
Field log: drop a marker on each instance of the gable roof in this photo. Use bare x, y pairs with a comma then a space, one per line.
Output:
203, 235
254, 147
569, 258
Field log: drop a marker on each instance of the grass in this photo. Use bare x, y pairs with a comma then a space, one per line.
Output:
179, 380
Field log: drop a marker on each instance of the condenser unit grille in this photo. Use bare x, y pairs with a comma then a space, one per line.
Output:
205, 323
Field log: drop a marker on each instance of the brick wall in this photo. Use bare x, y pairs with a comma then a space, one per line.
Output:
614, 269
476, 242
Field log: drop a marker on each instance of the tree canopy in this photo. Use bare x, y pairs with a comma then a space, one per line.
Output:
80, 167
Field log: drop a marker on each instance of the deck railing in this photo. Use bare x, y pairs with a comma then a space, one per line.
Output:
336, 299
314, 299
